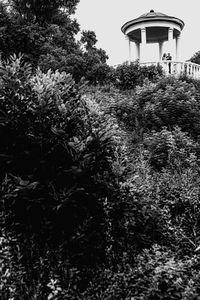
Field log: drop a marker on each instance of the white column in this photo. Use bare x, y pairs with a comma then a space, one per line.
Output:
129, 48
160, 50
143, 44
137, 51
177, 46
170, 42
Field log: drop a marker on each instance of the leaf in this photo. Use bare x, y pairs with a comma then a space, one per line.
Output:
197, 249
57, 131
24, 182
50, 296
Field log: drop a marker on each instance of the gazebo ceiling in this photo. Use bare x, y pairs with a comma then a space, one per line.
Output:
154, 33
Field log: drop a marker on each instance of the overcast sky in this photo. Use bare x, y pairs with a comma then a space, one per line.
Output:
106, 17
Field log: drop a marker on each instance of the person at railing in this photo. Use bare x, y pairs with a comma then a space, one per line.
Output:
164, 57
169, 57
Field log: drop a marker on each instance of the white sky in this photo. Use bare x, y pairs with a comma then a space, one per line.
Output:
106, 17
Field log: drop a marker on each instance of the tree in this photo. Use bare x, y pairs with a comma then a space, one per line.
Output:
45, 33
42, 11
26, 34
195, 58
89, 39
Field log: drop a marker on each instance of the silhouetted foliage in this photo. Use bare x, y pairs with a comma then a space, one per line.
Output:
196, 58
99, 186
45, 33
128, 76
56, 162
169, 102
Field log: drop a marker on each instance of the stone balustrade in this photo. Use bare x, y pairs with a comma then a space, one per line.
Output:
171, 67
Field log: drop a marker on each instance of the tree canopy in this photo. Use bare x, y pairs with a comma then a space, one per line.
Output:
42, 11
196, 58
45, 33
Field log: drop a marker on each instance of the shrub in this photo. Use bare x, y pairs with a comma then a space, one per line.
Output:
99, 74
171, 149
56, 162
128, 76
169, 102
156, 274
98, 199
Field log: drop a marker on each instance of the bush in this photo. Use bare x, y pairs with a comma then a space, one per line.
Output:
99, 74
156, 274
99, 187
167, 103
56, 162
128, 76
171, 149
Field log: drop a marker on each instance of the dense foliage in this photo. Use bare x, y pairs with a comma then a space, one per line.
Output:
99, 187
58, 185
99, 179
167, 102
129, 75
45, 32
196, 58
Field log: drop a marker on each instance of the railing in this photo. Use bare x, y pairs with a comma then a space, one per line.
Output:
171, 67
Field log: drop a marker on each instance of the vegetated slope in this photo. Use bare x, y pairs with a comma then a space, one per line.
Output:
99, 187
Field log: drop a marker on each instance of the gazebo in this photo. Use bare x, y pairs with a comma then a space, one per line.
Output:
156, 27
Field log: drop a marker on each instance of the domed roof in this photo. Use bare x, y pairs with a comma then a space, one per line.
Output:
152, 16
